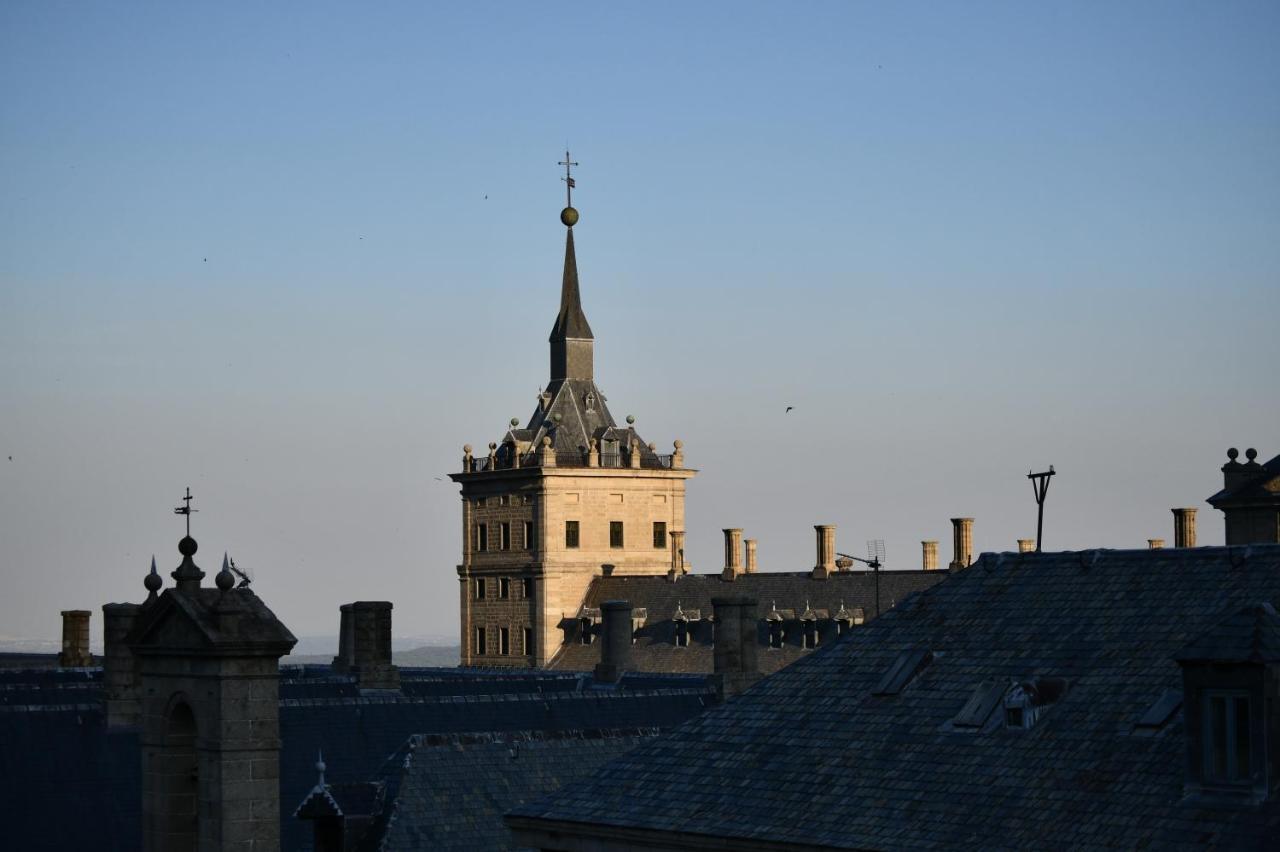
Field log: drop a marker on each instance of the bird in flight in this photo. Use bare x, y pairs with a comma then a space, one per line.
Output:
789, 407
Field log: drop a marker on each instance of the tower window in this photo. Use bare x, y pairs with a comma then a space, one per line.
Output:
811, 634
504, 641
776, 634
615, 534
505, 537
504, 587
480, 643
479, 588
584, 631
527, 582
528, 641
482, 537
682, 634
660, 534
1226, 737
528, 535
570, 533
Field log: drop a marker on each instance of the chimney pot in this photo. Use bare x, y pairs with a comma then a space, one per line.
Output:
826, 546
732, 554
1184, 527
929, 554
962, 541
75, 639
1155, 544
750, 555
615, 641
1026, 545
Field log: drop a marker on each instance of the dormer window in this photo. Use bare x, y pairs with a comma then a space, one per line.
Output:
777, 627
682, 634
1027, 701
1228, 751
584, 631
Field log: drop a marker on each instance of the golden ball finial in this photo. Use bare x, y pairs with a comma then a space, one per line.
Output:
569, 217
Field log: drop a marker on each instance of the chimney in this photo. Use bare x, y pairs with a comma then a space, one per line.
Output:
826, 542
1233, 472
119, 666
1184, 527
364, 645
750, 555
930, 555
615, 641
1155, 544
75, 639
732, 554
735, 664
1026, 545
962, 534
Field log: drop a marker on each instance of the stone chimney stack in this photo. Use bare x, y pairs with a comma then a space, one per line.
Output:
615, 641
1026, 545
930, 555
732, 554
735, 664
119, 666
1155, 544
364, 645
1184, 527
750, 555
826, 545
1233, 472
75, 639
962, 535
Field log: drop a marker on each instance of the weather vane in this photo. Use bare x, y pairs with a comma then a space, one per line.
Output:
186, 510
568, 164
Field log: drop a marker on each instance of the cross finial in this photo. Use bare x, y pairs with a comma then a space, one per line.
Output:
186, 510
568, 164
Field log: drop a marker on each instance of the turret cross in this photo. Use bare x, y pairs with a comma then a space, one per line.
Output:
568, 163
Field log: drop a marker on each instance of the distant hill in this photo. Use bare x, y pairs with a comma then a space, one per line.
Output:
426, 655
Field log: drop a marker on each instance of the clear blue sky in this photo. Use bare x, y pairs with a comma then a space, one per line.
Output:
295, 255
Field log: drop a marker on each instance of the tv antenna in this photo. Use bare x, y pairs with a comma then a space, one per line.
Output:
245, 575
1040, 485
875, 558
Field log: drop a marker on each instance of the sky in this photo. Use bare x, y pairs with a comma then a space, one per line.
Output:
294, 256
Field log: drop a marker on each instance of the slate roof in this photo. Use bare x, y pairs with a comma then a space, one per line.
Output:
57, 758
254, 627
571, 322
449, 792
655, 648
811, 757
1250, 635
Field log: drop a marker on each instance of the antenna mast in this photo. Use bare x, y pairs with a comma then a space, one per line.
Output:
1040, 485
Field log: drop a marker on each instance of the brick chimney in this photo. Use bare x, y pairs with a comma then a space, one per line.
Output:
119, 667
615, 641
1026, 545
75, 639
749, 547
732, 554
826, 543
929, 552
962, 541
1184, 527
364, 645
735, 664
1155, 544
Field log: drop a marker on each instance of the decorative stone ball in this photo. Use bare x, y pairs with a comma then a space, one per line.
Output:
1251, 454
569, 217
188, 546
153, 582
679, 444
224, 580
631, 418
1233, 453
493, 445
546, 440
515, 421
653, 447
466, 449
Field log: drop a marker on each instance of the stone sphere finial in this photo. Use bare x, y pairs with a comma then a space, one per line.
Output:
493, 445
466, 449
1233, 453
653, 447
515, 421
187, 546
1251, 454
546, 440
224, 579
569, 217
679, 445
631, 419
153, 582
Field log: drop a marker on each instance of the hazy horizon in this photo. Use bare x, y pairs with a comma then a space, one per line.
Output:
296, 258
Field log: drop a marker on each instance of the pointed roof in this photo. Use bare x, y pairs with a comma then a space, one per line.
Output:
1249, 635
571, 322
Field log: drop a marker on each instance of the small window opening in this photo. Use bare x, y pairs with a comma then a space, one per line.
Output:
528, 641
505, 539
615, 534
1227, 738
480, 641
570, 534
777, 634
482, 537
682, 634
504, 588
480, 588
810, 634
527, 590
504, 641
584, 631
660, 534
528, 535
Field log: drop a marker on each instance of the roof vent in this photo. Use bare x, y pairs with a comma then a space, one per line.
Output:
908, 664
1159, 713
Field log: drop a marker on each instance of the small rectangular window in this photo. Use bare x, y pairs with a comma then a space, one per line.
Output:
615, 534
1227, 738
528, 535
527, 582
504, 588
480, 643
505, 538
504, 500
660, 534
528, 641
479, 588
482, 537
504, 641
570, 533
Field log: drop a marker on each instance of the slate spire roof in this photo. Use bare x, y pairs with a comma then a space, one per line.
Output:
571, 322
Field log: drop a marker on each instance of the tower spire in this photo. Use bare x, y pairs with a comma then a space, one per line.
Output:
571, 339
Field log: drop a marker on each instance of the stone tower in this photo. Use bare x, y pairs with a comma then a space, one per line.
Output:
567, 497
208, 675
